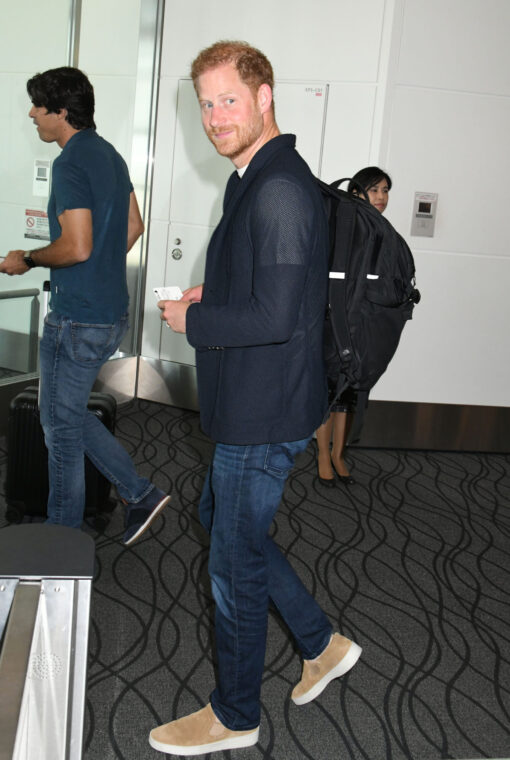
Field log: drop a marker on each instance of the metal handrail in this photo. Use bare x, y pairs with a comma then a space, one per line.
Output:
27, 293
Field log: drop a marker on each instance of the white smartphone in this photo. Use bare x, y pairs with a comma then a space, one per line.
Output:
168, 293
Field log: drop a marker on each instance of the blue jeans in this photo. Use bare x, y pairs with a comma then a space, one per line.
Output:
71, 357
242, 491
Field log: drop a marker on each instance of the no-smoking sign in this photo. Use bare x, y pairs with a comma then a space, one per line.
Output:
36, 224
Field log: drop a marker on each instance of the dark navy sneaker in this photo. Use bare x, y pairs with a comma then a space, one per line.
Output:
140, 516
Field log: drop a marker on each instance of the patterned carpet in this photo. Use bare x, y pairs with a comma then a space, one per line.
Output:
412, 562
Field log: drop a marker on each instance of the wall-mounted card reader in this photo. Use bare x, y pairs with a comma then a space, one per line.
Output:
41, 179
424, 214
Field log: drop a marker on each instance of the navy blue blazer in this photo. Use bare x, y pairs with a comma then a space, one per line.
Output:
258, 329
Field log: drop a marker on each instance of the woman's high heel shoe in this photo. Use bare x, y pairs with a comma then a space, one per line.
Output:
328, 482
346, 480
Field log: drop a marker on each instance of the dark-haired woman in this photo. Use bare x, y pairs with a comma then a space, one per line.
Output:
376, 185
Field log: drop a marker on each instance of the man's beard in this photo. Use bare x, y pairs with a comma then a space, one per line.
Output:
242, 137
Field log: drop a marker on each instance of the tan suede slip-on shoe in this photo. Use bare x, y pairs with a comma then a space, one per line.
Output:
199, 733
340, 655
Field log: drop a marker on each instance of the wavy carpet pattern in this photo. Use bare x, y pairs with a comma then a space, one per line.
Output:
412, 562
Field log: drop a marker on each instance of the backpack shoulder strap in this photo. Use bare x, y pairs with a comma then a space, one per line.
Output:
342, 221
343, 230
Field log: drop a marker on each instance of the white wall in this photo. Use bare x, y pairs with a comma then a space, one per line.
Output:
109, 56
334, 41
423, 90
448, 126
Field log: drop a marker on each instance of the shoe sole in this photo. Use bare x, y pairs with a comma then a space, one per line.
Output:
235, 742
155, 512
346, 663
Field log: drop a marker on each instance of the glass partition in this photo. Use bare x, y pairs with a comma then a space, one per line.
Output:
123, 70
32, 38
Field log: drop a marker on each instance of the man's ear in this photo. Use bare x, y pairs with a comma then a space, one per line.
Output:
264, 98
62, 114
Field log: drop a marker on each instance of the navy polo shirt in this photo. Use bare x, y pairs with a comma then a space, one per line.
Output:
89, 173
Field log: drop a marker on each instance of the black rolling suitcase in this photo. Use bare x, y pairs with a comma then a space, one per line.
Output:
26, 485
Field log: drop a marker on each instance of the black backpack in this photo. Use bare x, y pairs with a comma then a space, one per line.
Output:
371, 295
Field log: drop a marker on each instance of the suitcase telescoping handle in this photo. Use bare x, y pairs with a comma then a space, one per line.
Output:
46, 296
46, 300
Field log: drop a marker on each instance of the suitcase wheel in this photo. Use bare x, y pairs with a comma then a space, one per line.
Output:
100, 522
14, 512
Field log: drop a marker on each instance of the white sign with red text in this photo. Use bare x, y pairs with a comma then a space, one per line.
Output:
36, 224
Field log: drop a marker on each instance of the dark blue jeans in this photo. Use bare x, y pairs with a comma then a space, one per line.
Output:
71, 357
241, 494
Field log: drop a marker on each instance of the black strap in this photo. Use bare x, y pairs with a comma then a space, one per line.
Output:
359, 416
341, 385
344, 233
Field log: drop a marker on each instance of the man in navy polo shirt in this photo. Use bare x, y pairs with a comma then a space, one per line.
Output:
94, 220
